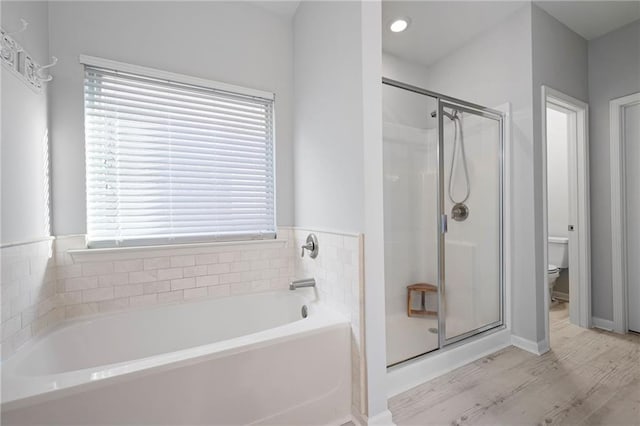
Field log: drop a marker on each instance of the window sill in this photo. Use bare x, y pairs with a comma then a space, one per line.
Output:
116, 253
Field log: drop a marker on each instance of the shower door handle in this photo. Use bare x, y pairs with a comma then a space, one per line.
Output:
443, 224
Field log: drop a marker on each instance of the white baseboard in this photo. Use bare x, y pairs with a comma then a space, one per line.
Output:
602, 323
381, 419
416, 372
537, 348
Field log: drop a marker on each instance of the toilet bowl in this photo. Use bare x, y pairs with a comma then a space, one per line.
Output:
558, 248
553, 272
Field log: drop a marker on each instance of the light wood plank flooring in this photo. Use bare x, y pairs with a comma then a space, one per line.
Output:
589, 377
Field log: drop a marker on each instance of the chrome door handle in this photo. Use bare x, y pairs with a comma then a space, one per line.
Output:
444, 226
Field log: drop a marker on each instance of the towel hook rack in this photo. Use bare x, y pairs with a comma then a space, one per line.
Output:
54, 61
24, 24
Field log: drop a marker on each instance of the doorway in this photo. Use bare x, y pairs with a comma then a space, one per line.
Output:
566, 206
625, 202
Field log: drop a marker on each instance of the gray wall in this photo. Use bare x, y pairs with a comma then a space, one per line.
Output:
23, 140
222, 41
328, 155
614, 71
560, 62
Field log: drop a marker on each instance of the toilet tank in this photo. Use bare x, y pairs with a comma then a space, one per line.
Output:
559, 251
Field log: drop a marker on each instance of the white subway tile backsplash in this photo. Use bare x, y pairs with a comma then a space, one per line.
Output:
157, 263
170, 274
193, 293
28, 315
11, 326
97, 268
206, 259
234, 277
51, 318
245, 276
69, 298
279, 262
279, 283
113, 305
12, 271
182, 261
119, 278
221, 268
156, 287
250, 255
80, 283
143, 276
132, 265
69, 271
195, 271
128, 290
270, 273
97, 294
182, 283
171, 296
259, 264
44, 306
207, 280
82, 309
260, 285
238, 266
228, 257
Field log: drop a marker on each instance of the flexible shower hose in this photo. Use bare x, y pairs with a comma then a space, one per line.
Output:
457, 123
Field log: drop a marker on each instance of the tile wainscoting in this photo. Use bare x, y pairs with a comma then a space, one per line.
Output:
29, 301
97, 281
46, 282
338, 271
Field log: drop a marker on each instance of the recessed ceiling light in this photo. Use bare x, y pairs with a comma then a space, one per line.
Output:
399, 25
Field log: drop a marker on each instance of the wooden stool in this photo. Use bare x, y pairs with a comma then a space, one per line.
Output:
423, 289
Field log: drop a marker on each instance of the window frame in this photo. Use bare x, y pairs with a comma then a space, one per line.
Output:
95, 62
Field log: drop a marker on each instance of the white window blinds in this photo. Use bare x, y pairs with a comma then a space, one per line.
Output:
172, 162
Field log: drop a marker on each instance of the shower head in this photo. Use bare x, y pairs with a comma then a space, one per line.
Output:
446, 114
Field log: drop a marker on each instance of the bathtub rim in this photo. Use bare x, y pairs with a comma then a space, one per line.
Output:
43, 388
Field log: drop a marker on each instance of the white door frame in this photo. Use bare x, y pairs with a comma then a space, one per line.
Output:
618, 214
580, 288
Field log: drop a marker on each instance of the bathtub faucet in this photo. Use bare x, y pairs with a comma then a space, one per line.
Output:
307, 282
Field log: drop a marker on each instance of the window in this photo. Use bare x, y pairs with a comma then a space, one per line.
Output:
171, 161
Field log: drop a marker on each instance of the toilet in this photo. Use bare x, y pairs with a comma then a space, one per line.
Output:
558, 248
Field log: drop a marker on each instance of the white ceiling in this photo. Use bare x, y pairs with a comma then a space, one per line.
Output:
439, 27
592, 19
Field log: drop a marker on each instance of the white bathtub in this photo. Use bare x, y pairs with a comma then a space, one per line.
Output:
241, 360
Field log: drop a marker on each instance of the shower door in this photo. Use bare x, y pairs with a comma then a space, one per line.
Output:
470, 200
410, 157
442, 220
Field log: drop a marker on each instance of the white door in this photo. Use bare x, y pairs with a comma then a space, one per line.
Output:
631, 139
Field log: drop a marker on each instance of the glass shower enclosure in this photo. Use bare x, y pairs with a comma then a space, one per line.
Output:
443, 209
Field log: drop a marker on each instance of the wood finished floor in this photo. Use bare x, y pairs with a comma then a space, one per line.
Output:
590, 377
